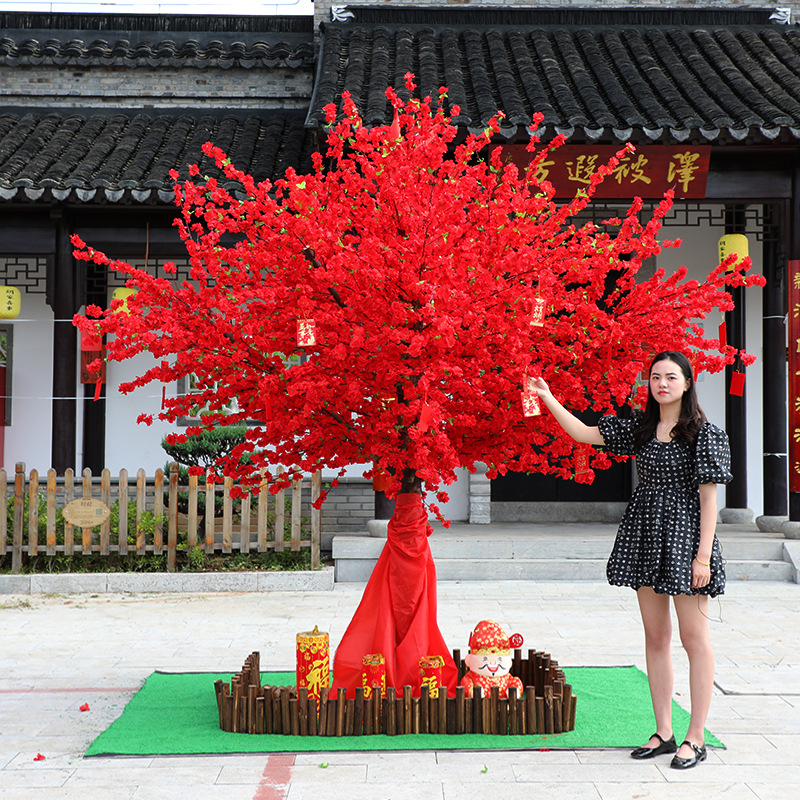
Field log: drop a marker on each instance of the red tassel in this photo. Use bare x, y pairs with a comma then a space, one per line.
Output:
394, 130
737, 384
97, 387
163, 397
723, 334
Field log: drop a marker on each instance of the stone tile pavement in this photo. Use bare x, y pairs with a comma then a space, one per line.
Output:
59, 652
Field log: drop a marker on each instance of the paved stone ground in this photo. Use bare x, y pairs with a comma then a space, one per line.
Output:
58, 652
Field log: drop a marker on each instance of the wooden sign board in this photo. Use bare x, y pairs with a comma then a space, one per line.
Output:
86, 512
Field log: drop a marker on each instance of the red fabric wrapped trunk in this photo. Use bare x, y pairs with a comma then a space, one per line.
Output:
397, 614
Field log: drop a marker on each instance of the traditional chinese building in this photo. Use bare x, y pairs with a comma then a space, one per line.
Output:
97, 109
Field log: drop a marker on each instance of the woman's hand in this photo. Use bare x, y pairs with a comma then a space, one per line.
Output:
701, 574
539, 386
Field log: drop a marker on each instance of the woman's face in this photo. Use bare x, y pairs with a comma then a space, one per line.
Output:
667, 382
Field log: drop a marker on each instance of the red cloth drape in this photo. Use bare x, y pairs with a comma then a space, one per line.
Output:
397, 614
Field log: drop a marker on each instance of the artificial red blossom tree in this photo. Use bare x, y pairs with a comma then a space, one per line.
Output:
423, 281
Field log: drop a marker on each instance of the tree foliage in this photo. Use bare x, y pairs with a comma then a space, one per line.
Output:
419, 265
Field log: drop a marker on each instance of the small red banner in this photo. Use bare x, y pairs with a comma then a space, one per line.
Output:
647, 172
794, 376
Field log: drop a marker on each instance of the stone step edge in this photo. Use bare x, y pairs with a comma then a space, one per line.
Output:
164, 582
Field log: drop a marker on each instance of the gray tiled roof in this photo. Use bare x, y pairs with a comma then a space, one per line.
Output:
712, 82
100, 156
155, 41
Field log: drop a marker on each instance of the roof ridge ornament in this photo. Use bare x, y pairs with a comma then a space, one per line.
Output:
341, 14
782, 15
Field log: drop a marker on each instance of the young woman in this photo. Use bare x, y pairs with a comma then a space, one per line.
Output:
666, 544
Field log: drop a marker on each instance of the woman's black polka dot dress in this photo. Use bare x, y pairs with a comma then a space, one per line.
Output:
660, 530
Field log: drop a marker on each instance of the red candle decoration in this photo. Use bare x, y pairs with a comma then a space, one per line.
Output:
430, 669
373, 673
313, 661
306, 333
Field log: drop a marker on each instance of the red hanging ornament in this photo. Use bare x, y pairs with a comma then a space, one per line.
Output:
306, 333
737, 384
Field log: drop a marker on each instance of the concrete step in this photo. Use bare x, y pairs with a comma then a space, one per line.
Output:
553, 552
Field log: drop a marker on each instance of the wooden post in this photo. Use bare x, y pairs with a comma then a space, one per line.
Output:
358, 711
210, 520
573, 703
459, 709
341, 703
19, 518
566, 703
408, 720
263, 496
368, 716
548, 709
541, 726
105, 497
424, 709
391, 711
227, 515
297, 506
313, 710
191, 514
277, 716
459, 666
122, 534
477, 710
377, 711
323, 710
442, 703
172, 528
286, 709
86, 533
158, 512
141, 507
331, 716
33, 514
530, 710
349, 716
280, 514
260, 705
513, 712
268, 724
51, 511
468, 715
316, 520
252, 690
294, 716
302, 710
219, 692
244, 525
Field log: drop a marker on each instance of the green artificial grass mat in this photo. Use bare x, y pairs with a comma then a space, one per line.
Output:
177, 714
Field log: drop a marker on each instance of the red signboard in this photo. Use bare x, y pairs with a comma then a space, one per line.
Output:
794, 376
647, 172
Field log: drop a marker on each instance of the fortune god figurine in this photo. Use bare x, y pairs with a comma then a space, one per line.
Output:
490, 660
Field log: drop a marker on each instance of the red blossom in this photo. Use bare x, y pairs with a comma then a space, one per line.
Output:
421, 262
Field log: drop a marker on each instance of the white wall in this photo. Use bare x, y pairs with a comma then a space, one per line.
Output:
699, 253
28, 438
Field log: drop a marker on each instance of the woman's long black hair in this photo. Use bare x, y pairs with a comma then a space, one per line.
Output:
691, 417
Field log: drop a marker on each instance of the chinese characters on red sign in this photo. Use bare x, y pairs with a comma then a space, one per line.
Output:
648, 172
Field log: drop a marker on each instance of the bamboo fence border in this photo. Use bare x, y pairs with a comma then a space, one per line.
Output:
547, 706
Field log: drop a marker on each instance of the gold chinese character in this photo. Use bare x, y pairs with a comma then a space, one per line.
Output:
582, 169
796, 280
635, 172
683, 171
797, 404
796, 434
542, 171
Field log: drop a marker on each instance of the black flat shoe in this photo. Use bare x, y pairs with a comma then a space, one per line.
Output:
668, 746
687, 763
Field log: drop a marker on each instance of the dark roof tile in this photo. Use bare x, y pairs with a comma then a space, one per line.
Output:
94, 155
607, 80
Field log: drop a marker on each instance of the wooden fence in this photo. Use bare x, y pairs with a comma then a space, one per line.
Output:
258, 525
547, 706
